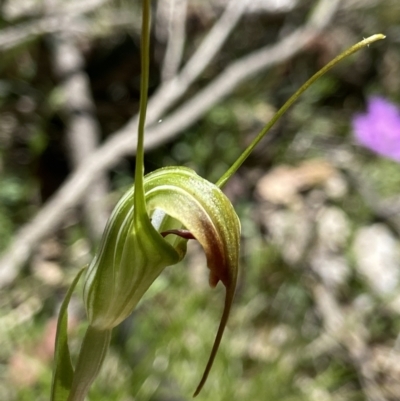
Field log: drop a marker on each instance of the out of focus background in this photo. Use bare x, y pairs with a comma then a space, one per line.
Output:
317, 309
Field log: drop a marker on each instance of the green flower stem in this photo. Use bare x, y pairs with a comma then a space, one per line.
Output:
139, 202
232, 170
91, 357
96, 342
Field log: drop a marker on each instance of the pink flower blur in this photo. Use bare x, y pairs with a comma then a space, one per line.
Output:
379, 128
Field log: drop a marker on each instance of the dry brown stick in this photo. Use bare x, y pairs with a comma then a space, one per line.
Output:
123, 141
82, 128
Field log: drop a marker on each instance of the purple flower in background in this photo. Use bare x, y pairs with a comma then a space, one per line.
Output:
379, 128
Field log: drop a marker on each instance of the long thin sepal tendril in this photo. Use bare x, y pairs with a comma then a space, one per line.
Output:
358, 46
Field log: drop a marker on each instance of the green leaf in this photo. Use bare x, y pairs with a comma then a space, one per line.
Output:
63, 371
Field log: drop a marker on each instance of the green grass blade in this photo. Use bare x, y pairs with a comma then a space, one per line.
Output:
63, 371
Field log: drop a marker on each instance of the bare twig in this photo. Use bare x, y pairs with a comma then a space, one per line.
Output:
21, 8
64, 20
172, 15
15, 35
83, 131
123, 142
170, 92
79, 7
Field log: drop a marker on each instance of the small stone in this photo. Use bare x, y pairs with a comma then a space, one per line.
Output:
333, 228
377, 255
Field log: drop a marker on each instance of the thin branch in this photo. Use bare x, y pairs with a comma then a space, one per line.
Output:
79, 7
65, 20
174, 17
122, 143
21, 8
15, 35
83, 130
170, 92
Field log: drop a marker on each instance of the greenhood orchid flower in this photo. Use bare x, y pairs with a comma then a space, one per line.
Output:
148, 231
134, 252
128, 262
